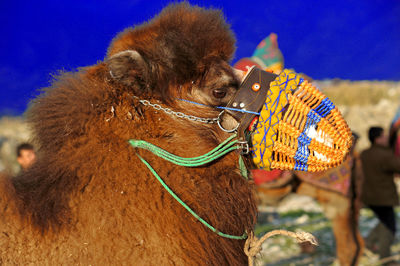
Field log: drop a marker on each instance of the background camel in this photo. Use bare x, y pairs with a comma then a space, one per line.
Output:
89, 199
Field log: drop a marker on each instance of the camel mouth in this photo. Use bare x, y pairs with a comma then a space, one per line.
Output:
227, 122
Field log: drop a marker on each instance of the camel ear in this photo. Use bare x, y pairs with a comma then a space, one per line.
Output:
129, 68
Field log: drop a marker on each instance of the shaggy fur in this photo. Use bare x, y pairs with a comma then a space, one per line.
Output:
89, 199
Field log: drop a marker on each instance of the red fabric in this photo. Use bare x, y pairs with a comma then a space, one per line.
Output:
242, 63
262, 176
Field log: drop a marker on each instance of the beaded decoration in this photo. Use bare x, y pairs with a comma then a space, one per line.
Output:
299, 128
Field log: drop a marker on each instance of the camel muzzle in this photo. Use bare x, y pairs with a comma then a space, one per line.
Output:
287, 123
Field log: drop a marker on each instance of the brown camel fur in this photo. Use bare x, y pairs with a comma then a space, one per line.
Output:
89, 199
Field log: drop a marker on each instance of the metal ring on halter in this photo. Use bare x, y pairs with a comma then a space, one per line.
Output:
223, 129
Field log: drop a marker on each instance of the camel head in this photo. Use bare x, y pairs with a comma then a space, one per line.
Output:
182, 54
182, 57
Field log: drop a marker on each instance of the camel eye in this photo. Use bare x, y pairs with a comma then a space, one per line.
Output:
219, 93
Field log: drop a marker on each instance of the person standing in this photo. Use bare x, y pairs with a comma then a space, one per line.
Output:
379, 191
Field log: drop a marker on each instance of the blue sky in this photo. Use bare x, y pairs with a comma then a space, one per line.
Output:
348, 39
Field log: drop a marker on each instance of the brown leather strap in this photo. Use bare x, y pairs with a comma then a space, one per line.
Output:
250, 97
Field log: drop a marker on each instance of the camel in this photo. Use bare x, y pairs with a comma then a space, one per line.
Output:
99, 192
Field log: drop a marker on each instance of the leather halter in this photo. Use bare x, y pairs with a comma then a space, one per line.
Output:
251, 96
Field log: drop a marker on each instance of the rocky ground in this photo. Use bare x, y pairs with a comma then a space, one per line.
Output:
363, 104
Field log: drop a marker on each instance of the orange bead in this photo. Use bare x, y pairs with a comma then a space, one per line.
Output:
255, 87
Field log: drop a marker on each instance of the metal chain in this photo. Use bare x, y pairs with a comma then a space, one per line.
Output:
179, 114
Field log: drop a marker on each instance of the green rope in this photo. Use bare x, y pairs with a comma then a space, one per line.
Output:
244, 236
225, 147
243, 168
222, 149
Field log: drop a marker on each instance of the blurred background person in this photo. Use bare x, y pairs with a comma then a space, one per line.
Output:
379, 190
26, 155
